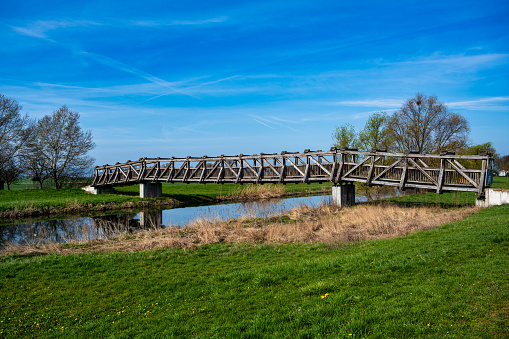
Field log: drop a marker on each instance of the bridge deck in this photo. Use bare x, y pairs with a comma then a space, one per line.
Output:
443, 172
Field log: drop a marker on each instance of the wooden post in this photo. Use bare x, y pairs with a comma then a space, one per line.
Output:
403, 175
441, 176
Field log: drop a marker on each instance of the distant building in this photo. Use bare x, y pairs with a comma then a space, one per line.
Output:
503, 173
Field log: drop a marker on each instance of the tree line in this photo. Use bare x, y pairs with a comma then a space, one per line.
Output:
423, 124
53, 148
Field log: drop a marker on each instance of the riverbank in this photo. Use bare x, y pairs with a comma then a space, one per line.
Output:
22, 204
328, 224
446, 281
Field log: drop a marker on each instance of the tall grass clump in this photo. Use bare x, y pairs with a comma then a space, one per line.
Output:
252, 191
327, 224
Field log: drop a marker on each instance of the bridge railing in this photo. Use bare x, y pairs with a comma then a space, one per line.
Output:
438, 172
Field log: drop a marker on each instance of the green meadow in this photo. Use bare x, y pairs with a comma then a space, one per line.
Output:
20, 198
451, 281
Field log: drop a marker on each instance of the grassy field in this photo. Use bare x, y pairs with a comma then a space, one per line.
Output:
34, 202
203, 194
185, 193
447, 199
450, 281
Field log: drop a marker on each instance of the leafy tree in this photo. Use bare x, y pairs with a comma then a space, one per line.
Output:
426, 125
60, 147
375, 133
15, 132
344, 136
476, 150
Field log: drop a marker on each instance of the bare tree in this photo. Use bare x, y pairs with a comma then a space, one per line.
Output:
60, 147
426, 125
502, 164
10, 172
15, 131
33, 163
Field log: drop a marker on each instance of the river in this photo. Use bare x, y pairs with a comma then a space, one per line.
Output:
88, 228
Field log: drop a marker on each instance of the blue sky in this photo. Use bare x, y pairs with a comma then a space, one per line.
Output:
168, 78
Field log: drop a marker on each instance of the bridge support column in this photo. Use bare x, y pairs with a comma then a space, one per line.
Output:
343, 195
100, 190
493, 197
151, 190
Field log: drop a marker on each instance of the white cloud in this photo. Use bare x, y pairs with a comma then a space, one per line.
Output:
387, 103
39, 28
151, 23
492, 104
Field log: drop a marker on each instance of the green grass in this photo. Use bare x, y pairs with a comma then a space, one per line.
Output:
204, 194
451, 281
22, 199
447, 199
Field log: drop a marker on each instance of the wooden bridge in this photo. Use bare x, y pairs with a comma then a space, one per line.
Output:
437, 172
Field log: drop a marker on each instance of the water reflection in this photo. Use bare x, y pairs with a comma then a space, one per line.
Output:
101, 227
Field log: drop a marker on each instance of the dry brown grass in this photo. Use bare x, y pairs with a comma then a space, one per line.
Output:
328, 224
251, 191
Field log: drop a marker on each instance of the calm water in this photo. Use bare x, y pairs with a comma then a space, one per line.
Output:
64, 230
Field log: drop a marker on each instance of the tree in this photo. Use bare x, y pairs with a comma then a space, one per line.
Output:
60, 148
476, 150
502, 163
10, 172
15, 132
33, 163
426, 125
375, 133
344, 136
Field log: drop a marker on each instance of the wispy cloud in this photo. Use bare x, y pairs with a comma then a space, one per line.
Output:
492, 104
39, 28
461, 61
262, 123
133, 70
150, 23
387, 103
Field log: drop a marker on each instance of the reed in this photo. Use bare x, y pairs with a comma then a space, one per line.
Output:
324, 224
252, 191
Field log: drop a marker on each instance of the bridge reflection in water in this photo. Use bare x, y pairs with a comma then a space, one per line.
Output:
78, 229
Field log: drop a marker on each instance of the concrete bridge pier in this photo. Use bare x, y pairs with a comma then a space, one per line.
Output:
151, 190
343, 195
100, 190
493, 197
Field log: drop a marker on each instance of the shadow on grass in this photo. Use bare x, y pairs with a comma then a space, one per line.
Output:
444, 200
